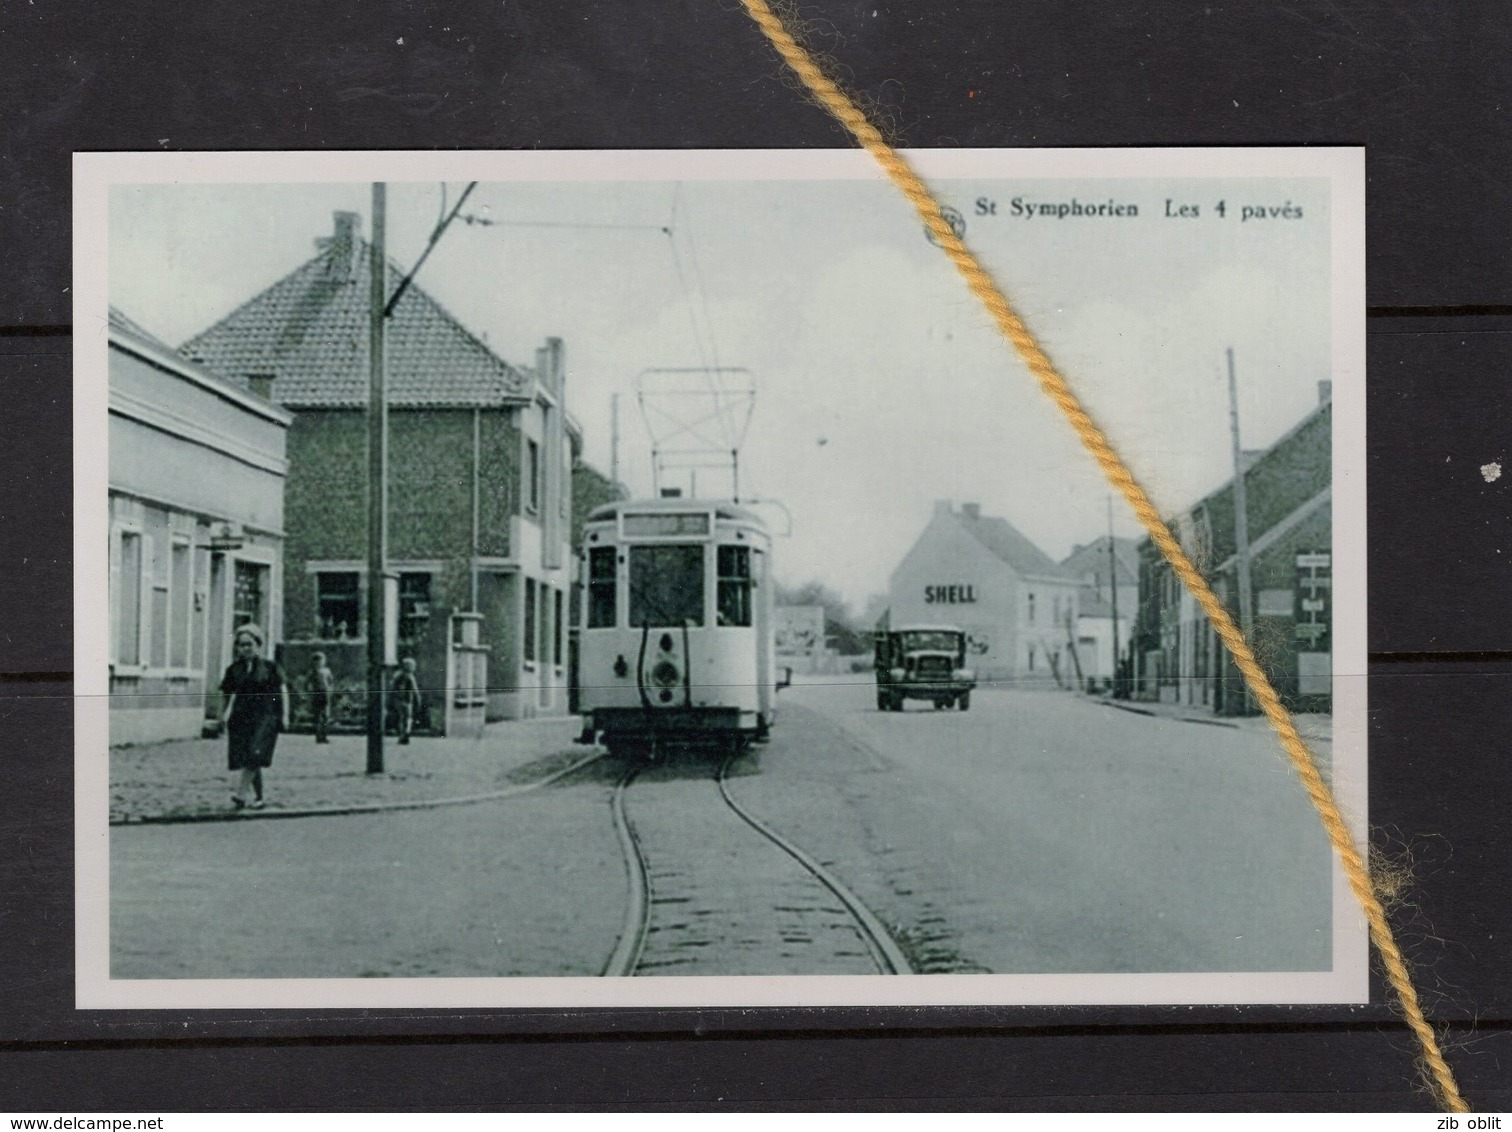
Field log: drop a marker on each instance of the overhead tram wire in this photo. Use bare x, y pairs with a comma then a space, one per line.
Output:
733, 433
682, 284
706, 350
716, 379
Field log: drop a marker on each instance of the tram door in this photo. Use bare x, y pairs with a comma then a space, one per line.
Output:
765, 676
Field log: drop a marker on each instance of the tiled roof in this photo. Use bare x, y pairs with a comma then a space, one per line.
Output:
1003, 539
128, 335
1094, 556
309, 331
121, 324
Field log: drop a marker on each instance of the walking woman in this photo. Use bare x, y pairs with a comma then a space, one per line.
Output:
256, 709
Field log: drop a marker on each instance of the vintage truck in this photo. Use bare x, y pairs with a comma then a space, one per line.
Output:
923, 662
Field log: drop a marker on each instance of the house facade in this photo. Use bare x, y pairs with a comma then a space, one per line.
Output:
981, 574
1176, 652
1107, 601
197, 471
479, 481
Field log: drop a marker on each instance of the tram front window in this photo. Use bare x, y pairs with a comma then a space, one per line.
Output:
601, 582
667, 585
734, 594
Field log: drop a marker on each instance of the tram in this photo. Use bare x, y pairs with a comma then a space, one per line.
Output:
676, 633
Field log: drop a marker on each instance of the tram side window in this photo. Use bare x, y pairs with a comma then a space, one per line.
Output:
601, 611
666, 585
735, 585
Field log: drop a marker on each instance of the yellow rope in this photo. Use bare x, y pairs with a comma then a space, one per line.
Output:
838, 103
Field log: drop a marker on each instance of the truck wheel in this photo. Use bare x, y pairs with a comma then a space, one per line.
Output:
964, 702
941, 705
883, 701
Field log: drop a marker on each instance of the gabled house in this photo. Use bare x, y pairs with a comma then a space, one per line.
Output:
1108, 599
981, 574
196, 479
480, 464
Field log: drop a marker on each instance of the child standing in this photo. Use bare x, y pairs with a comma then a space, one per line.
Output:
321, 683
406, 698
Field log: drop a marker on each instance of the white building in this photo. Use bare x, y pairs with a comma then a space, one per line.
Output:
980, 573
1107, 604
197, 473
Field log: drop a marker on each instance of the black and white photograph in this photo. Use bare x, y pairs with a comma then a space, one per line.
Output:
643, 579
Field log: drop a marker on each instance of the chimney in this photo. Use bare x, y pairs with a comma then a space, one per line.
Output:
1325, 392
343, 247
557, 376
972, 511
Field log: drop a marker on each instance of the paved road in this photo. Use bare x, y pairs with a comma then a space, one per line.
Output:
1043, 833
1034, 833
524, 886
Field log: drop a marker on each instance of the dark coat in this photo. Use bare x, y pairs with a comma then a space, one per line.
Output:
257, 714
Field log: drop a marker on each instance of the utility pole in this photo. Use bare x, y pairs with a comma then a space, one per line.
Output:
1113, 588
1241, 519
614, 441
377, 485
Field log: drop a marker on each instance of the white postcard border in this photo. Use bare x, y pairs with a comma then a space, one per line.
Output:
95, 173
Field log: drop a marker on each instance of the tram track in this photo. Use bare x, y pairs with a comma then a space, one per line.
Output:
703, 898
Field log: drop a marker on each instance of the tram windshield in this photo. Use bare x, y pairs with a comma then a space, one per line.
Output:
667, 585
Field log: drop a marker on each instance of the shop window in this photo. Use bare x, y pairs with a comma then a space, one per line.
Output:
548, 627
129, 600
734, 585
601, 588
556, 646
530, 619
338, 606
1031, 658
179, 596
1031, 610
248, 596
414, 607
158, 610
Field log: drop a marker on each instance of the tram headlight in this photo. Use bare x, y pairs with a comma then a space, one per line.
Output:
665, 674
895, 673
964, 674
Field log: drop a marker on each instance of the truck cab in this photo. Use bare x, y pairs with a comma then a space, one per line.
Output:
923, 662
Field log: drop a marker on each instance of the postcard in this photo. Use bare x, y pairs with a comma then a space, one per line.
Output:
651, 579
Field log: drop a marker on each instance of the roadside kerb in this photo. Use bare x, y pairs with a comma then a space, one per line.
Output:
357, 807
1180, 717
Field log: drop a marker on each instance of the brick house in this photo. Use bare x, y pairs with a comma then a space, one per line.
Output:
1177, 654
196, 481
480, 491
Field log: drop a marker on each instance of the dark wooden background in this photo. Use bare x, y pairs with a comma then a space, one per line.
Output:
1424, 87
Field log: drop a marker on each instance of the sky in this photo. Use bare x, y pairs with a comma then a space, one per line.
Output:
880, 384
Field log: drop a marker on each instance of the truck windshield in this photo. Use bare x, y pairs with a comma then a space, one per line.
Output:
931, 640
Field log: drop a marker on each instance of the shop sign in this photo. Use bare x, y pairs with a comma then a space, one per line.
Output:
949, 595
1314, 608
